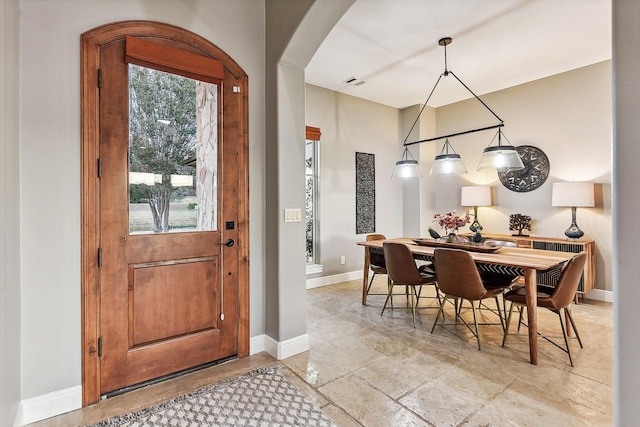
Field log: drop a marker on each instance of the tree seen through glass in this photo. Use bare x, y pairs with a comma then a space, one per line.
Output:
172, 152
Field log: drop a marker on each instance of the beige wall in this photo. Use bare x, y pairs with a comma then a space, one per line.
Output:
9, 213
351, 125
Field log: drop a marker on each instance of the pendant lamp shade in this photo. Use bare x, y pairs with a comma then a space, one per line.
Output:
406, 167
502, 157
447, 162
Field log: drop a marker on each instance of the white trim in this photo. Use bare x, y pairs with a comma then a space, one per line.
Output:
332, 280
49, 405
288, 348
600, 295
314, 268
256, 344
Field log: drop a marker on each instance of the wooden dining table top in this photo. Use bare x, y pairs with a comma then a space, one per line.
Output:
525, 258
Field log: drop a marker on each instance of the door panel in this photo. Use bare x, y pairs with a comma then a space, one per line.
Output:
158, 293
168, 301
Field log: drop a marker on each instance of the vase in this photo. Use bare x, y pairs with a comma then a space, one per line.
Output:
453, 238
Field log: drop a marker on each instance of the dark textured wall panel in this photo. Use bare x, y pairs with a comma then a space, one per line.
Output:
365, 193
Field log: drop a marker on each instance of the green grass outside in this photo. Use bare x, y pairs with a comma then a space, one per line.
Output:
180, 217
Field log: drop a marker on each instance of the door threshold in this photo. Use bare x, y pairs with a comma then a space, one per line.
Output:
137, 386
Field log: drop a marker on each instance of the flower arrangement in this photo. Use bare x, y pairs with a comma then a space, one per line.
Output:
451, 222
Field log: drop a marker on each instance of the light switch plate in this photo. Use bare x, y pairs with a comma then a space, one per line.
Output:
293, 215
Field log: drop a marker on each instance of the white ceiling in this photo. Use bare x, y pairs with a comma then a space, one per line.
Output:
393, 46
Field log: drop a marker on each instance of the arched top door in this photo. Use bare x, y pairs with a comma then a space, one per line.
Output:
137, 285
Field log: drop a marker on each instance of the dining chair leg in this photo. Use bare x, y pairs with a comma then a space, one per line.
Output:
564, 334
406, 293
370, 283
504, 307
458, 308
521, 310
506, 329
389, 292
440, 311
439, 299
414, 302
573, 325
500, 313
475, 321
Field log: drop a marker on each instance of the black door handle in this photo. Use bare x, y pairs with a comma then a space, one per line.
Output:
229, 242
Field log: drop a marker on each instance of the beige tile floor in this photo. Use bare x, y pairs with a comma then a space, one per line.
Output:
366, 370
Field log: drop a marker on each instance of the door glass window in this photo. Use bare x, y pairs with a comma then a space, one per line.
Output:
173, 152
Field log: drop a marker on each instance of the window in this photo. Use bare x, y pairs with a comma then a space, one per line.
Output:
312, 181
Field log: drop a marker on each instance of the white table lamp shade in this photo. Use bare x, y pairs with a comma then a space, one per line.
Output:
573, 194
474, 195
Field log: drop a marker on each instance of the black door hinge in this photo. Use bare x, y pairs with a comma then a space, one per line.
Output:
99, 346
99, 168
99, 78
99, 257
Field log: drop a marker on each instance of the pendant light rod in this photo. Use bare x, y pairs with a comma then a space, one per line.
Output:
454, 134
444, 42
475, 96
404, 143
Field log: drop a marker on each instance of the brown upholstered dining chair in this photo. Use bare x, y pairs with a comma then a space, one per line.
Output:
403, 271
377, 266
559, 300
458, 279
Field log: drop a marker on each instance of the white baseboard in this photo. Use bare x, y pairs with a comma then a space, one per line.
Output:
284, 349
49, 405
256, 344
332, 280
600, 295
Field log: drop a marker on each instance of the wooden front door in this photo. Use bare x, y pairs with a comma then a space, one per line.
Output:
170, 213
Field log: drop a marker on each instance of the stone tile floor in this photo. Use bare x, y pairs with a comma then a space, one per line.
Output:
364, 369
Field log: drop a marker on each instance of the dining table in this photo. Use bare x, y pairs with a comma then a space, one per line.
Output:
516, 261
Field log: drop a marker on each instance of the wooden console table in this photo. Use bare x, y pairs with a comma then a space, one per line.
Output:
588, 280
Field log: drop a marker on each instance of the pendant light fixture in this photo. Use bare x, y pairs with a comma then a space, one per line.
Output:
502, 157
407, 166
448, 161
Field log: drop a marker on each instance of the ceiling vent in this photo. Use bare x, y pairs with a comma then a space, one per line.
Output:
354, 82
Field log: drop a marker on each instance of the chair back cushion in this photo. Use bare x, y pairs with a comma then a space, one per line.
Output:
401, 267
457, 274
376, 260
565, 290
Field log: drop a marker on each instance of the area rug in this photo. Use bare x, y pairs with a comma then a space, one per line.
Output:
263, 398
